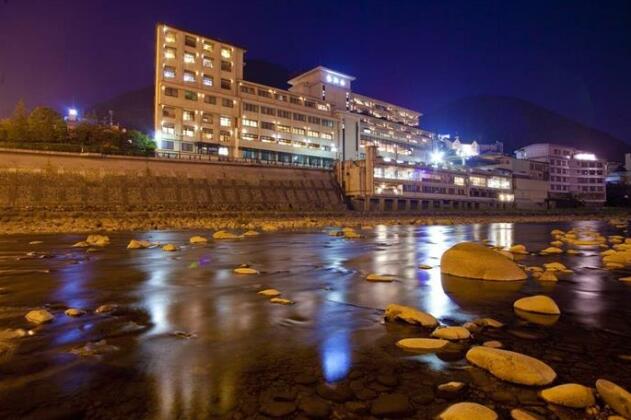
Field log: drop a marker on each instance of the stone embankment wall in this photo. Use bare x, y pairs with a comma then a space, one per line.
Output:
64, 181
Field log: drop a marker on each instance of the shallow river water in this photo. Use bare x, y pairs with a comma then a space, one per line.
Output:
191, 339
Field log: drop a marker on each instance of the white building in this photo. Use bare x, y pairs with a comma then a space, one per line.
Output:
204, 107
574, 174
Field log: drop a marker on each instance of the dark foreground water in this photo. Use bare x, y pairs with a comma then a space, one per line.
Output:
237, 355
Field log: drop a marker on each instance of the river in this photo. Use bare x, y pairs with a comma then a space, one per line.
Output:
192, 339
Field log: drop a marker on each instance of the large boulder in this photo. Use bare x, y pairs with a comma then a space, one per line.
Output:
472, 260
467, 411
511, 366
410, 315
569, 395
615, 396
540, 304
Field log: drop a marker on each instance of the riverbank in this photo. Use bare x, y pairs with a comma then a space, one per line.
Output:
19, 222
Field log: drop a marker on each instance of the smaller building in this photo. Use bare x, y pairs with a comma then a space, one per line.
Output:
374, 184
531, 179
576, 176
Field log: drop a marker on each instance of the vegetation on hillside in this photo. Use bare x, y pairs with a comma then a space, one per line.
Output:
45, 129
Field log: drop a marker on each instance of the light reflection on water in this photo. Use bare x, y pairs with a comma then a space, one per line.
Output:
336, 311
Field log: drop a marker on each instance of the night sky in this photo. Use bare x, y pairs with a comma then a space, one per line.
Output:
572, 57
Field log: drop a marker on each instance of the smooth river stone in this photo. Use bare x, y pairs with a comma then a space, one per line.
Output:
511, 366
472, 260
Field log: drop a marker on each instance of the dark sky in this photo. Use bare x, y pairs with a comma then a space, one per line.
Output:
573, 57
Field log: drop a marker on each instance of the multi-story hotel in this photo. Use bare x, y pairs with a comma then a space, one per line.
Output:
203, 107
573, 173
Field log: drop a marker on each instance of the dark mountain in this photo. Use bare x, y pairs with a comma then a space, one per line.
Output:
134, 109
517, 123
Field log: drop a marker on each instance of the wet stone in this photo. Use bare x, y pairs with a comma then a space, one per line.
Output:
305, 379
335, 392
391, 405
357, 407
315, 407
387, 379
277, 408
423, 395
451, 390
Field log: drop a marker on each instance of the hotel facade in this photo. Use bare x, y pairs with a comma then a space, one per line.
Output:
203, 106
573, 174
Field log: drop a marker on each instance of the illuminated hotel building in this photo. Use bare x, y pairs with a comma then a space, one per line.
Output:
573, 173
204, 107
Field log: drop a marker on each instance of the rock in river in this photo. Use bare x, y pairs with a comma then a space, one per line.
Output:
539, 304
269, 293
451, 333
422, 344
74, 312
615, 396
380, 278
467, 411
569, 395
198, 240
511, 366
39, 316
410, 315
391, 405
471, 260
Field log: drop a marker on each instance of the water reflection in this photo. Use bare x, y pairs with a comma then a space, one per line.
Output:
336, 355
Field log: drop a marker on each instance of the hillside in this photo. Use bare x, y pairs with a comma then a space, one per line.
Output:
517, 123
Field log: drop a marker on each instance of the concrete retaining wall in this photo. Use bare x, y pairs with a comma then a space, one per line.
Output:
64, 181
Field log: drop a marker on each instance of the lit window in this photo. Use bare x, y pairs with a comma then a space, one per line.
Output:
188, 115
459, 180
189, 76
478, 181
207, 80
224, 135
296, 130
250, 123
169, 37
223, 151
169, 53
327, 136
283, 128
312, 133
226, 53
225, 121
249, 136
188, 131
207, 118
208, 46
189, 95
207, 62
168, 128
207, 133
189, 58
322, 107
169, 72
